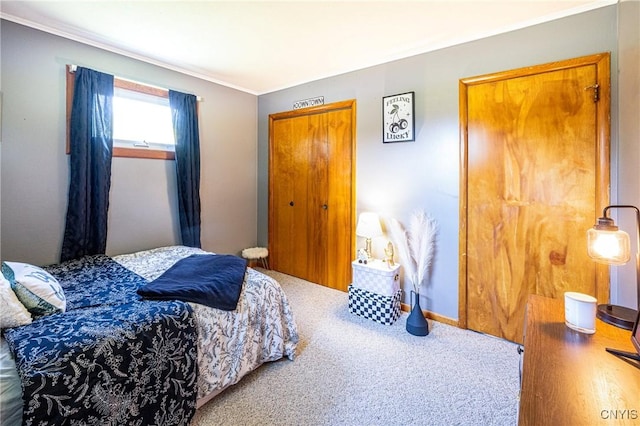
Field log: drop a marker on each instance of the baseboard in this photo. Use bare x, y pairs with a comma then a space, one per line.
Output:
432, 316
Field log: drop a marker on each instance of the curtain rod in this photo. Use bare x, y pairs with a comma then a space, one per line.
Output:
73, 68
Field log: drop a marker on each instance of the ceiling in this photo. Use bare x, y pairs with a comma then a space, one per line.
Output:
263, 46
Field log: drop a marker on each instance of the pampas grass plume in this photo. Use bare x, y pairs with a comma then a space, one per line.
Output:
416, 247
422, 233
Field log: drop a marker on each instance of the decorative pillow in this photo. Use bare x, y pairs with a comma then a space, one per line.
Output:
12, 312
37, 289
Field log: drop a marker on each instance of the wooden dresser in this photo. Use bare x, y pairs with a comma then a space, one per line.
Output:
568, 378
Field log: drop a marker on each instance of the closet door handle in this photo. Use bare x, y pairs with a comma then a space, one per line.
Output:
325, 207
291, 203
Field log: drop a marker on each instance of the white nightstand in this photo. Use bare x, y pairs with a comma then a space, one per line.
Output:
375, 292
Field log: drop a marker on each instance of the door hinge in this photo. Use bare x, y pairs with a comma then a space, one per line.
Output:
596, 91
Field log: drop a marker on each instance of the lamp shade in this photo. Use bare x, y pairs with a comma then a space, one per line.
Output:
609, 247
368, 225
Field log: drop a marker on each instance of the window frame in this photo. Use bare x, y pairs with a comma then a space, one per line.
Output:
155, 154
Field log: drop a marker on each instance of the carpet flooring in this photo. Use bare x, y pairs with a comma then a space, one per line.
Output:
350, 370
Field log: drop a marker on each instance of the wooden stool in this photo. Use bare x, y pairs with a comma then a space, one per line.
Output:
255, 254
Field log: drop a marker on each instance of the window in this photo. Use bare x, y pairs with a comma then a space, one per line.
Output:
141, 120
142, 126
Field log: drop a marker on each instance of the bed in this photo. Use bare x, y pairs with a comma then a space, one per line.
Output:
115, 357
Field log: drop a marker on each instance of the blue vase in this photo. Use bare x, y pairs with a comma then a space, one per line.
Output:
417, 323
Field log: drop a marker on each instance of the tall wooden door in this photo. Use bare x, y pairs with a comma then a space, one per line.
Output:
311, 193
535, 176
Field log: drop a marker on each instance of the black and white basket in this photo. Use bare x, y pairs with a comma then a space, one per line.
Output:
379, 308
376, 276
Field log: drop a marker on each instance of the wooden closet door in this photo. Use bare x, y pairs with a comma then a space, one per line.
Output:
341, 190
288, 196
317, 168
535, 177
311, 193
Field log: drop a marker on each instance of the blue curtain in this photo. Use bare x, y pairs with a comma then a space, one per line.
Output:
185, 128
91, 144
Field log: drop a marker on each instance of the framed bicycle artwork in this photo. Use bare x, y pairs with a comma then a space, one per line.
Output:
398, 118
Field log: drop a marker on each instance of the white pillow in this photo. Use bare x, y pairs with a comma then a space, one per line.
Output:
12, 311
37, 289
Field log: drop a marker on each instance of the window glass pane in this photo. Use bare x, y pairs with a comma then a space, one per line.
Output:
139, 117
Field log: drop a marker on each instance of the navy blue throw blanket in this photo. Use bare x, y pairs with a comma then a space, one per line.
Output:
213, 280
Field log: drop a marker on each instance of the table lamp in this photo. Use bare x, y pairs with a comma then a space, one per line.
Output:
368, 227
609, 245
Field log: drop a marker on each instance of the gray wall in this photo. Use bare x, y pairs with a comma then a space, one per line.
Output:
627, 182
143, 212
396, 179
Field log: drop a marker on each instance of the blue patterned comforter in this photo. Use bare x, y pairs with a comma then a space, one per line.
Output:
112, 358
